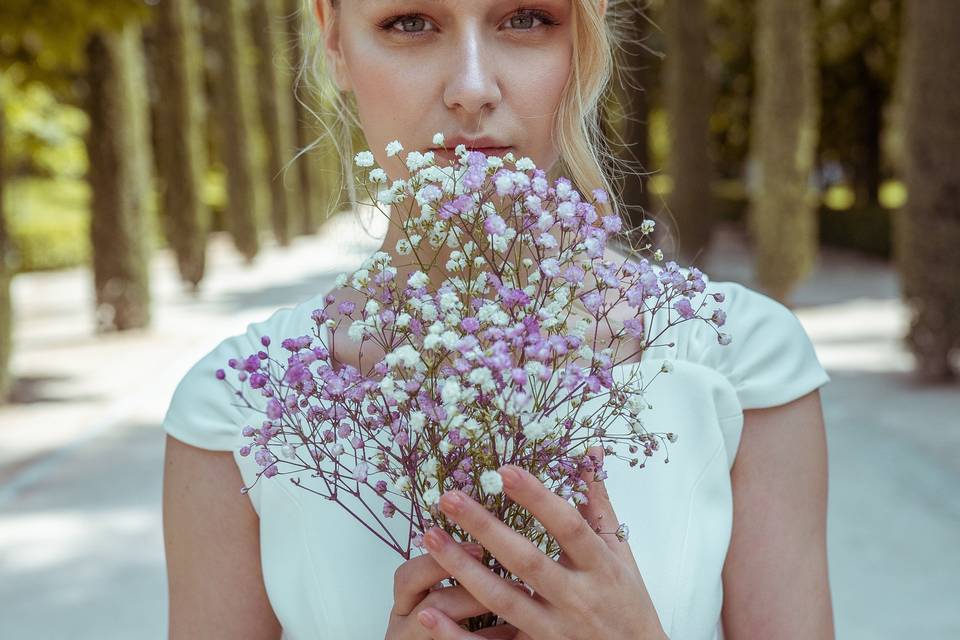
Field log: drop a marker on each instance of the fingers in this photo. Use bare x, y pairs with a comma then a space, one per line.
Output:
515, 552
495, 593
441, 627
598, 512
580, 544
457, 603
413, 579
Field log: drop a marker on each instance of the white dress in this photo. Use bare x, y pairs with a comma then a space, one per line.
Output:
329, 578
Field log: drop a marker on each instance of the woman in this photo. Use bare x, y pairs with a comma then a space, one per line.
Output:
717, 549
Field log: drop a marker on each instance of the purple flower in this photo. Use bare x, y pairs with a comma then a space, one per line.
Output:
274, 409
684, 309
346, 307
265, 341
221, 374
494, 224
634, 327
719, 317
470, 324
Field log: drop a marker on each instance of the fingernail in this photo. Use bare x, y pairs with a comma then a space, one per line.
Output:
426, 619
451, 501
475, 549
511, 479
434, 539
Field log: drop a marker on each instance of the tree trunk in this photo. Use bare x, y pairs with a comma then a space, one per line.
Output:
312, 185
688, 98
6, 275
235, 119
782, 217
637, 60
927, 229
180, 145
276, 112
119, 175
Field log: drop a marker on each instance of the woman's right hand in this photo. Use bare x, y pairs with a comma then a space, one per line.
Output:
412, 591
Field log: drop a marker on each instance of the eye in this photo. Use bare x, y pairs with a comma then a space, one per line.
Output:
409, 22
532, 14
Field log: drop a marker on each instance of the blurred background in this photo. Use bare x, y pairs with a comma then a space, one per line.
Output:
152, 203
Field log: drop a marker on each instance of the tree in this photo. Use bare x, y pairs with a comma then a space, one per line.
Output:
235, 118
277, 112
119, 176
782, 217
688, 98
927, 229
176, 62
6, 274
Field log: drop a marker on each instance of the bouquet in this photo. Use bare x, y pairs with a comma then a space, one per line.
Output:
496, 365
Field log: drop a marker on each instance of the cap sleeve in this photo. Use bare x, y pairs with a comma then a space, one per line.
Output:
204, 411
770, 359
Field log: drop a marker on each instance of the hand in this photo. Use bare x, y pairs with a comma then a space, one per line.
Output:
594, 591
415, 587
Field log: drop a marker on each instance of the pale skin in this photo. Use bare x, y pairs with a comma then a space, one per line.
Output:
480, 72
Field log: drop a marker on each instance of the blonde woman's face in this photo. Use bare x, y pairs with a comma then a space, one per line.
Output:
466, 68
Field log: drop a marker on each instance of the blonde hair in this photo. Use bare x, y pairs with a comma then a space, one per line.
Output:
577, 133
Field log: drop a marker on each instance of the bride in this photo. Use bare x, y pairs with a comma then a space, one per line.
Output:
727, 541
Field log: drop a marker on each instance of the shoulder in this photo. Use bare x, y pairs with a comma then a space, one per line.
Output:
204, 410
770, 359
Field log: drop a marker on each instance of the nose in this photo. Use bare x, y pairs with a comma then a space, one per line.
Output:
472, 82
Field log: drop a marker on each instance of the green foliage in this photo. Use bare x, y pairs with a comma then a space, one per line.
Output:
48, 221
49, 35
44, 135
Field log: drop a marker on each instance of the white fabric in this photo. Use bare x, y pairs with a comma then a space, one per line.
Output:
329, 578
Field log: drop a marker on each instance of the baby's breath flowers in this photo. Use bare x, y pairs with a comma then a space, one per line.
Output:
498, 363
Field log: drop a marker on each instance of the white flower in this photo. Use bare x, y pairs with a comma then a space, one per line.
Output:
494, 162
429, 467
363, 159
336, 450
415, 160
658, 255
460, 150
357, 330
371, 307
491, 482
445, 446
393, 148
438, 139
417, 420
418, 279
428, 311
647, 226
403, 319
341, 280
378, 175
386, 196
403, 247
288, 451
401, 484
361, 278
405, 354
525, 164
636, 403
482, 378
431, 496
666, 367
451, 391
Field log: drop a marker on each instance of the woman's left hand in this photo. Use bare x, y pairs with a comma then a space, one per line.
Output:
594, 591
